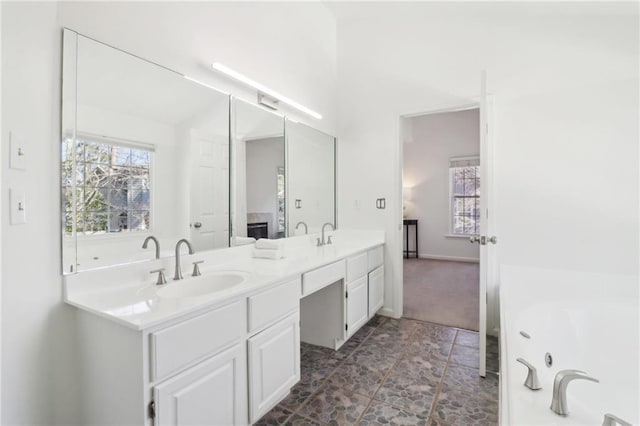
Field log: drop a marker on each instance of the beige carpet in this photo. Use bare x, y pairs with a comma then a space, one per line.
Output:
442, 292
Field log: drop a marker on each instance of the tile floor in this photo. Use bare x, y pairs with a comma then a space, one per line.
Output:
394, 372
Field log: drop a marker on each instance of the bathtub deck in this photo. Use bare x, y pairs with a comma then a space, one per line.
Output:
394, 371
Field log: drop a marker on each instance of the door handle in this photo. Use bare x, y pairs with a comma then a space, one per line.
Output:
483, 239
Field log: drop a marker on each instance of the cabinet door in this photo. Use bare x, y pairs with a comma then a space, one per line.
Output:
211, 393
274, 365
376, 290
356, 305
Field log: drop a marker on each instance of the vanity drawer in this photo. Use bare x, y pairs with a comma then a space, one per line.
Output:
321, 277
357, 266
190, 341
272, 304
375, 257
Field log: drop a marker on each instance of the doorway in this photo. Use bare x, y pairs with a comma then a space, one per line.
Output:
441, 199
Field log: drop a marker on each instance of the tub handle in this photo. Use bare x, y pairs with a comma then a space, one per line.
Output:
611, 420
532, 376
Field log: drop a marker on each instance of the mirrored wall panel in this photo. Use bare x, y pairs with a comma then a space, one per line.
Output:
258, 172
145, 152
311, 178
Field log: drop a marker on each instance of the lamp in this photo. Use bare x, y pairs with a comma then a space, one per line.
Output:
264, 90
407, 195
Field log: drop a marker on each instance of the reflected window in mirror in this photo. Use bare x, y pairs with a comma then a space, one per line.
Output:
112, 184
281, 201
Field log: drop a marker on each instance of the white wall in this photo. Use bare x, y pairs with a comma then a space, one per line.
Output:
290, 47
287, 46
435, 139
564, 82
263, 157
37, 329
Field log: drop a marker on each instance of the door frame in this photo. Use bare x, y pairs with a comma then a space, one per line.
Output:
488, 191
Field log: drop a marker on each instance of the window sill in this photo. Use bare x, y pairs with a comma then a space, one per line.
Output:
465, 236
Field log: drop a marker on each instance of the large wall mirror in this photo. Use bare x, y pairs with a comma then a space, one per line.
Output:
258, 205
311, 178
145, 151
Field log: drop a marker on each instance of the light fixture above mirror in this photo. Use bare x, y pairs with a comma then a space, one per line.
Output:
264, 90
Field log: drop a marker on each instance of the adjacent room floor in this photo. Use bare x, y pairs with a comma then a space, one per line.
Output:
442, 292
401, 372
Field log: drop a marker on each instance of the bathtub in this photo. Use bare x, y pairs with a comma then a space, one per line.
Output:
586, 321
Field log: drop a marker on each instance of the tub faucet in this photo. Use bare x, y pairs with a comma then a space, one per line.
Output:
328, 241
178, 273
560, 383
155, 241
532, 376
611, 420
306, 229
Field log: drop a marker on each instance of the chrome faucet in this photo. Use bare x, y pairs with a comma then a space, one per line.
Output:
611, 420
306, 230
322, 242
155, 241
531, 381
560, 383
178, 273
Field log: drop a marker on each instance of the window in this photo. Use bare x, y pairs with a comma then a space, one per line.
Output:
281, 199
108, 190
464, 178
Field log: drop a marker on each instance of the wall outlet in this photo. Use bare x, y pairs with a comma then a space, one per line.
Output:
18, 157
18, 206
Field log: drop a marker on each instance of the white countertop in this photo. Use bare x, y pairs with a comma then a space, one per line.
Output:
127, 294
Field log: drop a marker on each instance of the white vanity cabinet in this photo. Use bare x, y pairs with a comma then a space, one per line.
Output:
222, 360
356, 293
186, 371
213, 390
364, 287
210, 393
273, 346
375, 266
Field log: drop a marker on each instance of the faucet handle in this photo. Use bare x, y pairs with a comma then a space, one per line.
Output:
196, 268
318, 242
531, 381
161, 278
571, 374
611, 420
329, 239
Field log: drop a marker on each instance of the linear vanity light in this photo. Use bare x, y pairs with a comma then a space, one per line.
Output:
265, 90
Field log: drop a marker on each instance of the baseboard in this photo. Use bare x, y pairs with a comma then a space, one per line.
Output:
451, 258
386, 312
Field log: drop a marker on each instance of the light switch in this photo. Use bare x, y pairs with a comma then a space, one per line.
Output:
18, 158
18, 207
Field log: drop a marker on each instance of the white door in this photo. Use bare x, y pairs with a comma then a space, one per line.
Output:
274, 365
209, 219
357, 304
376, 290
486, 239
211, 393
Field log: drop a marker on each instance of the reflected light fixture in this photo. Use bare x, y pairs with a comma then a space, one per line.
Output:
263, 90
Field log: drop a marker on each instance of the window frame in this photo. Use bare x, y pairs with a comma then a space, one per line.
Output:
119, 142
462, 162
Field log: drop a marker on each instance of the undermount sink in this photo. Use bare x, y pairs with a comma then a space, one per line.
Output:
207, 284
